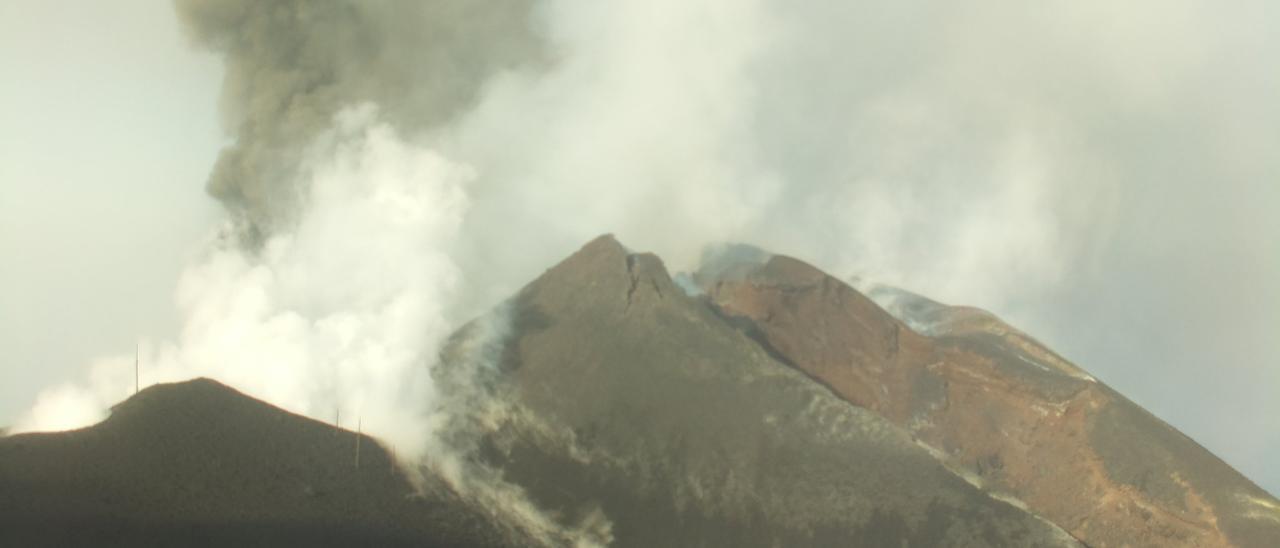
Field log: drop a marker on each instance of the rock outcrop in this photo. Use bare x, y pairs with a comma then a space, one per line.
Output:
633, 402
758, 402
996, 404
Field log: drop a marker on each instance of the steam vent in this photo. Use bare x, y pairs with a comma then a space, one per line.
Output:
757, 402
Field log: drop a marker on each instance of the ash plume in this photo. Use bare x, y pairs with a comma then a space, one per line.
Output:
292, 66
397, 168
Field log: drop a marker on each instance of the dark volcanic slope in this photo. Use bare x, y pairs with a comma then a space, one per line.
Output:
197, 463
780, 408
998, 403
626, 396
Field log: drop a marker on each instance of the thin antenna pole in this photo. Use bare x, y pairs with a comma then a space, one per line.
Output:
135, 368
359, 430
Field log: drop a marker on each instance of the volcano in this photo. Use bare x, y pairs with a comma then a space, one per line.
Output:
755, 402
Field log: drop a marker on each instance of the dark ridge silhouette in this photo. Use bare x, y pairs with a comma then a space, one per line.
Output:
769, 405
199, 464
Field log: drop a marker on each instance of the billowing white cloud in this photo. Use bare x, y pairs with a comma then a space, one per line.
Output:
1101, 174
342, 313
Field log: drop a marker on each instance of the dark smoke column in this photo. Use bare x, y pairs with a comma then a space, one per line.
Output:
292, 64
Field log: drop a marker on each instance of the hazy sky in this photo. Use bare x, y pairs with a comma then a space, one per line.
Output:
109, 128
1105, 176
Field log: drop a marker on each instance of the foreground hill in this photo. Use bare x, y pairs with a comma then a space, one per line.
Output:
199, 464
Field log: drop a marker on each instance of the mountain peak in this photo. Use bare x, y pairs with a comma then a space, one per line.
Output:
625, 392
199, 386
189, 401
198, 463
773, 404
604, 272
602, 250
998, 404
823, 327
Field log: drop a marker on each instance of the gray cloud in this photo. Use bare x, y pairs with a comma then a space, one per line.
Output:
292, 65
1100, 174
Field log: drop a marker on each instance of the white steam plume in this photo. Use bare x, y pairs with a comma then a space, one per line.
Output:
982, 153
342, 312
652, 122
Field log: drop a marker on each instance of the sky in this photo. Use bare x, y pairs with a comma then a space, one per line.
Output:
1103, 176
110, 125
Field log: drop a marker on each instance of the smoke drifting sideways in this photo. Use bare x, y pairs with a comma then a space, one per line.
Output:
291, 66
332, 317
398, 168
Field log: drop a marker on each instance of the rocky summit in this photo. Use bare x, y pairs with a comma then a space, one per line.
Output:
755, 402
1002, 409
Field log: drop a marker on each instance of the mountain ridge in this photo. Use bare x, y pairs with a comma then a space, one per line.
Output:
199, 463
756, 402
649, 384
1000, 401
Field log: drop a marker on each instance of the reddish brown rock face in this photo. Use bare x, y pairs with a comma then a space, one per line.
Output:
837, 336
627, 391
1002, 408
780, 408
